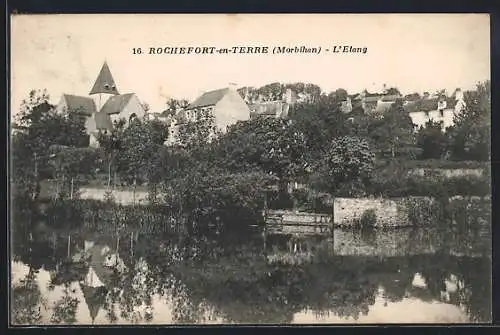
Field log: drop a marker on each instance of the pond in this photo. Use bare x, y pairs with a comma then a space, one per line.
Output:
392, 276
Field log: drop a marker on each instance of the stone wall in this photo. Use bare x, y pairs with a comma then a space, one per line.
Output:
447, 173
120, 197
388, 212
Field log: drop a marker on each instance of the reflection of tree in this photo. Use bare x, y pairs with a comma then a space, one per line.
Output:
476, 291
27, 300
65, 308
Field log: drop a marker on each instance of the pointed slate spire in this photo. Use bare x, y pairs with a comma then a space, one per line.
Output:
104, 82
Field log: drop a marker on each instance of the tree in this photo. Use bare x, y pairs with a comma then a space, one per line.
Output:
432, 141
393, 134
111, 144
393, 91
39, 126
349, 161
174, 106
140, 144
320, 123
146, 107
341, 94
470, 135
217, 196
71, 166
272, 145
27, 300
195, 135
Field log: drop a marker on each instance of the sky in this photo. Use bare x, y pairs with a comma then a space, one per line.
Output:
63, 53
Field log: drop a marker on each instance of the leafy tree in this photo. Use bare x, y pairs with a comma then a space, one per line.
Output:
393, 91
432, 141
39, 126
271, 92
271, 145
349, 161
217, 196
146, 106
393, 134
470, 134
141, 142
71, 166
195, 135
412, 96
27, 300
341, 94
111, 144
65, 308
320, 123
174, 106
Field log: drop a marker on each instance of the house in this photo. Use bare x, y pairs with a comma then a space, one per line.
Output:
97, 117
275, 109
440, 109
374, 103
225, 104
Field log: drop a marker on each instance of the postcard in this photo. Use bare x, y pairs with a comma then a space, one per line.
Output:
181, 169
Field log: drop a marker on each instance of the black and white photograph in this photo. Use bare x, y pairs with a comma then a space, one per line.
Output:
249, 169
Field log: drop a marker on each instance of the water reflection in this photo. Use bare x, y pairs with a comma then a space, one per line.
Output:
359, 277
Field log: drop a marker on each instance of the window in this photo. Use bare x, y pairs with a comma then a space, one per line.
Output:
441, 113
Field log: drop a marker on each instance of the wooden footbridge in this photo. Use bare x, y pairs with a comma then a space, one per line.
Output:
297, 223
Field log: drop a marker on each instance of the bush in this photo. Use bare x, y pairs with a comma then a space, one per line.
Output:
393, 181
368, 219
279, 200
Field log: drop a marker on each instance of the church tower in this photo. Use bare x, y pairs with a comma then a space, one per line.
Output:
104, 84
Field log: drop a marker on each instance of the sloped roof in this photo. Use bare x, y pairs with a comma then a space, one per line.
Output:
103, 121
209, 98
104, 82
427, 105
76, 103
116, 104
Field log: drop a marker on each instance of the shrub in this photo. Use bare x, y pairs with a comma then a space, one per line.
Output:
301, 197
368, 219
394, 182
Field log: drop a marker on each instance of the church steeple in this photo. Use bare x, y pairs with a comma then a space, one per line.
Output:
104, 82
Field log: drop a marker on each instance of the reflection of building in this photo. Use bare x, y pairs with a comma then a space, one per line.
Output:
95, 284
99, 117
94, 298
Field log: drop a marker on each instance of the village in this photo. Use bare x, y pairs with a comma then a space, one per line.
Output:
105, 105
158, 178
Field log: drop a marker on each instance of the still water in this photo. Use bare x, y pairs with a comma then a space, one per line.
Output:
397, 276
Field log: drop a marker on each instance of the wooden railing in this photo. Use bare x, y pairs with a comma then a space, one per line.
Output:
279, 222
